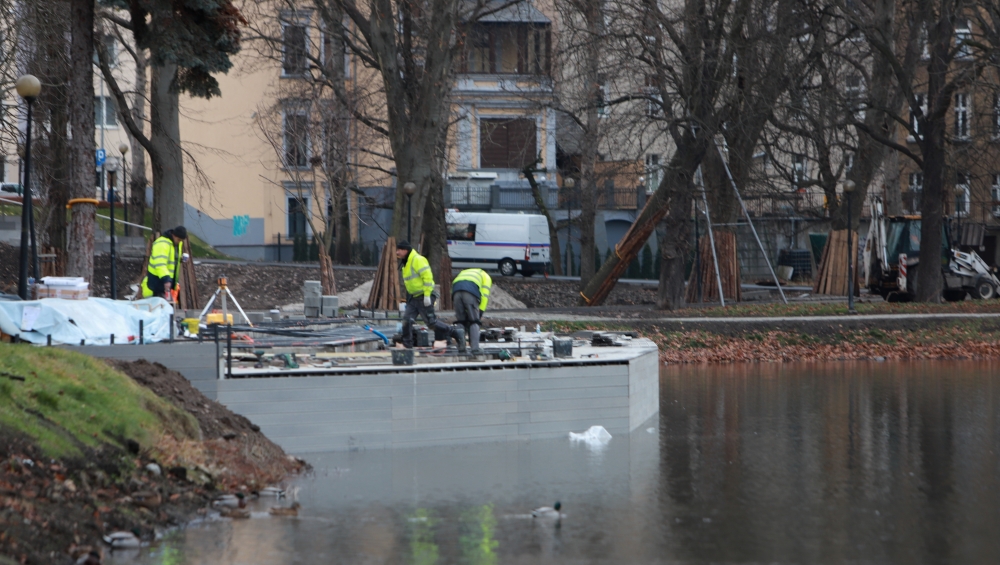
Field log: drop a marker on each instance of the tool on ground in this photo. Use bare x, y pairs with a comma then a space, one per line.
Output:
219, 291
289, 359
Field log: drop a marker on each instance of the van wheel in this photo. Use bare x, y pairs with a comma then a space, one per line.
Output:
507, 268
526, 272
984, 289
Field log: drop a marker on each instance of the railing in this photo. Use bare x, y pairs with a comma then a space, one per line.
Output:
470, 198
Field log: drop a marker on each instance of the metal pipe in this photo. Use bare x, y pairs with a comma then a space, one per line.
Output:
743, 205
114, 271
140, 332
711, 241
229, 350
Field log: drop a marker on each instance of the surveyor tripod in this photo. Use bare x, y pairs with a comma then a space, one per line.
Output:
219, 292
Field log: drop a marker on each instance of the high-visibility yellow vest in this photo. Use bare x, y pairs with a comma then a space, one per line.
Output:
162, 262
478, 277
417, 276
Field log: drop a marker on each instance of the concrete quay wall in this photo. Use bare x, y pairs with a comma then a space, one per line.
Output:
439, 405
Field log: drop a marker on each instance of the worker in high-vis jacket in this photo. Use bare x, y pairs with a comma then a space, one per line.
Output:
420, 297
470, 293
161, 274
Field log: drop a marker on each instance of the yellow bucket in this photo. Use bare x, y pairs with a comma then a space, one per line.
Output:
192, 325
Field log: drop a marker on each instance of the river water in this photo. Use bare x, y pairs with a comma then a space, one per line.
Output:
750, 463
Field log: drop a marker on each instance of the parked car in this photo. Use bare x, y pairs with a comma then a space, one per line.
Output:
509, 242
10, 187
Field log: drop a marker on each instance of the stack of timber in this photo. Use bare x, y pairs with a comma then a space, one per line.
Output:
729, 270
326, 274
187, 283
385, 293
832, 275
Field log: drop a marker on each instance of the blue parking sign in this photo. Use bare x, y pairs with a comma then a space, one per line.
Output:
100, 156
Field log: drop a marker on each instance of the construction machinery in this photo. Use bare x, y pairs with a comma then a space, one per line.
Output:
892, 252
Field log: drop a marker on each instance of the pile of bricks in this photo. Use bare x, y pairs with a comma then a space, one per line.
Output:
316, 304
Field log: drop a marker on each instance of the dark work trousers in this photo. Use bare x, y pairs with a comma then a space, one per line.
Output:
467, 314
415, 307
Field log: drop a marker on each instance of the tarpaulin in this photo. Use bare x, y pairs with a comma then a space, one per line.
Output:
93, 320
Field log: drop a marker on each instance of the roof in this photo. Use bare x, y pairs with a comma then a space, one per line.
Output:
499, 11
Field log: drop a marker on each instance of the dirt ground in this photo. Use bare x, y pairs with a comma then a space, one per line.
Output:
53, 511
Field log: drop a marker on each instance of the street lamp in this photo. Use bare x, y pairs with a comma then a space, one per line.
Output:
123, 149
848, 190
409, 188
28, 87
568, 184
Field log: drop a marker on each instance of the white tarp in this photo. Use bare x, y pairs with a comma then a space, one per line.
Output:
94, 320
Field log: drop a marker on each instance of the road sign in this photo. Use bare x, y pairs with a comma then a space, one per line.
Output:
100, 156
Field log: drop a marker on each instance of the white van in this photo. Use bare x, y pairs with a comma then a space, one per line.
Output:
508, 242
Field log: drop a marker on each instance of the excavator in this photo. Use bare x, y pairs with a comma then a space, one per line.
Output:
892, 253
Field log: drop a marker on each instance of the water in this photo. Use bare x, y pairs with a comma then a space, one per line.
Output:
771, 463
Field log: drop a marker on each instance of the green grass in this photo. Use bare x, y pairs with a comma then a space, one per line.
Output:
69, 400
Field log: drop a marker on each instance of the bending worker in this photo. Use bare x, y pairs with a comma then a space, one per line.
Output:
161, 274
470, 292
419, 282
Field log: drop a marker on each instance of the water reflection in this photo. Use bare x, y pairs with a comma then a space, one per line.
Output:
813, 463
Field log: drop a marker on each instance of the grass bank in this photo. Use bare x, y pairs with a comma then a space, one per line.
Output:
68, 402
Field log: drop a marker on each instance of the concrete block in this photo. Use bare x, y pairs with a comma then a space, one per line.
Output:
255, 317
311, 312
331, 302
313, 301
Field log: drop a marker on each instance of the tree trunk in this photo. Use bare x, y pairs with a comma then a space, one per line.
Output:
342, 215
591, 138
673, 194
435, 233
674, 245
931, 281
168, 173
892, 193
80, 248
138, 182
326, 276
555, 253
60, 171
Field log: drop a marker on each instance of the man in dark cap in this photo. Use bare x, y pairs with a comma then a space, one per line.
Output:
161, 274
419, 282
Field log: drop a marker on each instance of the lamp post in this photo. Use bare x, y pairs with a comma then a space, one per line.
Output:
848, 190
114, 270
28, 87
409, 188
568, 184
123, 149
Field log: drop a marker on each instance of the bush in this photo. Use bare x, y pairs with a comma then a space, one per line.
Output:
647, 262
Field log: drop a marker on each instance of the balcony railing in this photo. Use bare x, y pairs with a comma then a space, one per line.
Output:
482, 198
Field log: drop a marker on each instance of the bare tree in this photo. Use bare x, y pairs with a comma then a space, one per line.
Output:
932, 54
80, 245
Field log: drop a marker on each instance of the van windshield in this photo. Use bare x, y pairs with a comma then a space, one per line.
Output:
462, 232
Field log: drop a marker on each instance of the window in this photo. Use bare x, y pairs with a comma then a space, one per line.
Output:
921, 101
334, 138
654, 102
295, 49
296, 136
995, 194
104, 112
461, 232
603, 97
962, 194
110, 49
800, 171
297, 208
962, 115
653, 172
916, 185
479, 58
848, 162
996, 116
331, 46
963, 39
854, 92
507, 144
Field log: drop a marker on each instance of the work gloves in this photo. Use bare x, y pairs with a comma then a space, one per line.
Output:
427, 300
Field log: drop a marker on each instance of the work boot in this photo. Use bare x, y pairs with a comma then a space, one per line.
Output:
459, 335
